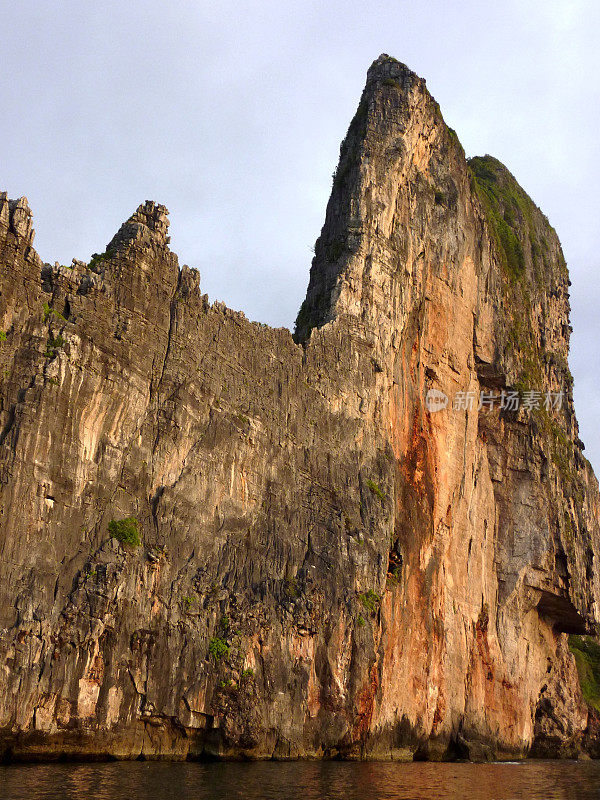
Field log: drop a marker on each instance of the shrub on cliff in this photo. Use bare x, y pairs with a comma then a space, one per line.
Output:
97, 259
125, 531
47, 309
218, 648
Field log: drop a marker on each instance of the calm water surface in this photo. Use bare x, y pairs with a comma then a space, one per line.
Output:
308, 781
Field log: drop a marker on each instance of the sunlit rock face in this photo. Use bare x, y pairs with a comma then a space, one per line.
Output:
330, 565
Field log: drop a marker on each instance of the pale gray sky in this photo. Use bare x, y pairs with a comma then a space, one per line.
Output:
232, 116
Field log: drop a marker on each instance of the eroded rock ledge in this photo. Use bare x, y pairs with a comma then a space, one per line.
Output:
326, 568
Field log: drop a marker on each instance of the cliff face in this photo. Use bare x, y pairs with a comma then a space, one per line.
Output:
328, 564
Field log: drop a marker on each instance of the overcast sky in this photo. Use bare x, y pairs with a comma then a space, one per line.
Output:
232, 116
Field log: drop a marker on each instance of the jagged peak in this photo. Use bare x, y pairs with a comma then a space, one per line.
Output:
387, 67
395, 112
17, 216
149, 225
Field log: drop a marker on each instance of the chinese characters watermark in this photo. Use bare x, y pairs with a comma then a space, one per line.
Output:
529, 400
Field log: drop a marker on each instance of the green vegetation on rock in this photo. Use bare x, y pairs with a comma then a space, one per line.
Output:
370, 600
518, 230
98, 258
587, 657
375, 489
125, 531
218, 648
47, 309
506, 207
53, 344
454, 138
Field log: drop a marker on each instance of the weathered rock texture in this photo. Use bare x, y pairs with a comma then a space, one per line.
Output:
327, 568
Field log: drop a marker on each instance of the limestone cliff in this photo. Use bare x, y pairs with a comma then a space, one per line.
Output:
328, 565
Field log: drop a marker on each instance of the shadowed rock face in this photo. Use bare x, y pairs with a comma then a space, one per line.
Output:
327, 567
